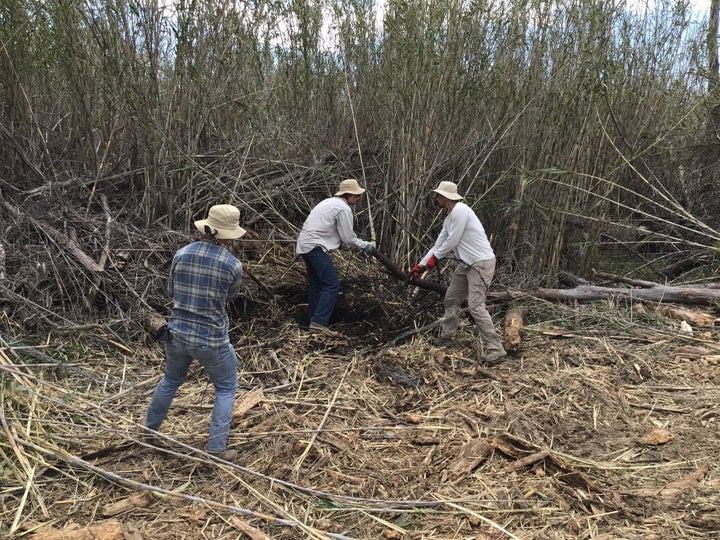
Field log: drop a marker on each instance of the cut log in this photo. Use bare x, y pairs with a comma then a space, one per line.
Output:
513, 326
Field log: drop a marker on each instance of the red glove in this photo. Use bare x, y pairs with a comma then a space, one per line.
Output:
415, 272
431, 262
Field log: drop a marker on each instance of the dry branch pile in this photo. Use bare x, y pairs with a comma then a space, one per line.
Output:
606, 425
602, 423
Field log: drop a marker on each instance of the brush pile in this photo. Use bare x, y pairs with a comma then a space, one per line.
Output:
602, 424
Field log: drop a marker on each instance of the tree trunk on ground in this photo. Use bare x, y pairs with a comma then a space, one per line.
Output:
641, 290
585, 293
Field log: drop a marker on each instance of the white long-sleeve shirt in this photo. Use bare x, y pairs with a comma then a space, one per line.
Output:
461, 234
328, 225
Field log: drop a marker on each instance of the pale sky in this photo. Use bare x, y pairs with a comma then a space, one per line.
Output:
702, 7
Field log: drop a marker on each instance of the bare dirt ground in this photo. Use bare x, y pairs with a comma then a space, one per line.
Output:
603, 424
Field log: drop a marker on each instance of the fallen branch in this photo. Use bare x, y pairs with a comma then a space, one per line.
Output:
60, 239
643, 290
400, 275
584, 293
528, 460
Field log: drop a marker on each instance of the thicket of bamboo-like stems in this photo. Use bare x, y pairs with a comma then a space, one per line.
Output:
583, 134
567, 125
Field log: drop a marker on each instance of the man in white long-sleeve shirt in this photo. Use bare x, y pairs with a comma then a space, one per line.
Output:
464, 236
327, 226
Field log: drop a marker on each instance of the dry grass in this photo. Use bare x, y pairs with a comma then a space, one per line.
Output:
602, 425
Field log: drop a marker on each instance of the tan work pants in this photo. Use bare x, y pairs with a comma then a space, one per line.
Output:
471, 282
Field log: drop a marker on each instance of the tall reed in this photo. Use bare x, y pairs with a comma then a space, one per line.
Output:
558, 120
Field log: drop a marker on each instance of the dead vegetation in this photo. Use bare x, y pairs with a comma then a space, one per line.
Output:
122, 123
602, 424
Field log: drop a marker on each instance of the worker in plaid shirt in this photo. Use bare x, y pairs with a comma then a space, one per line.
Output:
204, 276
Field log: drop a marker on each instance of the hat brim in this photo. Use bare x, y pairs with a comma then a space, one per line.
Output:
448, 195
358, 191
221, 233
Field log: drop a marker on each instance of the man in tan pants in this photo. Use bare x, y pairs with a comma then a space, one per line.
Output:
464, 236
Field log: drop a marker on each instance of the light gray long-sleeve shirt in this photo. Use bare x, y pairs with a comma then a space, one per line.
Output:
461, 234
328, 225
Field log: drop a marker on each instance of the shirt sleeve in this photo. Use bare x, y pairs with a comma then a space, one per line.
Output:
234, 290
442, 237
449, 237
344, 223
170, 284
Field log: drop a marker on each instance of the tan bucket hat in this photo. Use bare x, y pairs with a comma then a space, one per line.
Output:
224, 222
448, 190
350, 186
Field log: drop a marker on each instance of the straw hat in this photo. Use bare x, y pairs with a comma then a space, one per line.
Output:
448, 190
349, 186
224, 222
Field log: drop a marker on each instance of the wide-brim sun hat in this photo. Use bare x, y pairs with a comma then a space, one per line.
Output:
448, 190
349, 186
223, 221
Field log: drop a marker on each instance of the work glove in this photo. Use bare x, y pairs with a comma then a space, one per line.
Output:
415, 272
431, 262
369, 248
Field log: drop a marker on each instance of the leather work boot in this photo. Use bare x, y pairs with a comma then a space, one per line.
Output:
152, 438
494, 358
227, 455
318, 328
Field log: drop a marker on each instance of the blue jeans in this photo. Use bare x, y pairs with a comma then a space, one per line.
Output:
323, 285
220, 364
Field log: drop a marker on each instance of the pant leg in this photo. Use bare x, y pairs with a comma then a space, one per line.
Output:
221, 366
329, 285
313, 285
454, 297
177, 363
479, 277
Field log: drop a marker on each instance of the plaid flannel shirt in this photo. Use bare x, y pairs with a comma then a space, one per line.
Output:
203, 278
